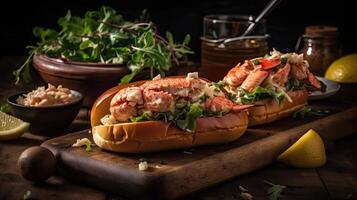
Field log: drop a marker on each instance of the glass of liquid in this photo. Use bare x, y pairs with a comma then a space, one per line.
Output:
218, 55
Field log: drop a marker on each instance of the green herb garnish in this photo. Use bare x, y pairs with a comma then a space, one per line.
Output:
5, 107
256, 62
144, 117
283, 60
104, 36
274, 191
232, 96
219, 85
293, 84
88, 147
204, 97
308, 112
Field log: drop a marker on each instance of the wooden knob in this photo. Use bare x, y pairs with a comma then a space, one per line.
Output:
37, 163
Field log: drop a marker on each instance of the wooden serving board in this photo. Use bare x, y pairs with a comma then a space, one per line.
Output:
177, 173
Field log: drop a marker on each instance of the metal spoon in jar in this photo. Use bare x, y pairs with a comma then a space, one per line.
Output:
268, 8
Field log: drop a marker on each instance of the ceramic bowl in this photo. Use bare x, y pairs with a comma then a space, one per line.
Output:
48, 120
91, 79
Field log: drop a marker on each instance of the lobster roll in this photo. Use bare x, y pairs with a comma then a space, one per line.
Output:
277, 84
166, 113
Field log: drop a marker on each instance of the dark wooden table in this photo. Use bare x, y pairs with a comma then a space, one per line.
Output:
336, 180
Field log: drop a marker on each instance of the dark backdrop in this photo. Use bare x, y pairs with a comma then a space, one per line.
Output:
285, 23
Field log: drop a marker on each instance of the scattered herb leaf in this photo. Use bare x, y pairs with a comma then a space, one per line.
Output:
308, 112
5, 107
88, 147
274, 191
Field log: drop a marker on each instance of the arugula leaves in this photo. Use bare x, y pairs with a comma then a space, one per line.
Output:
260, 93
105, 36
184, 119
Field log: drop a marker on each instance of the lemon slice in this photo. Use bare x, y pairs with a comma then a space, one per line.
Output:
11, 127
307, 152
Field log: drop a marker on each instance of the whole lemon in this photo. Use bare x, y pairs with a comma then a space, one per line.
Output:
343, 70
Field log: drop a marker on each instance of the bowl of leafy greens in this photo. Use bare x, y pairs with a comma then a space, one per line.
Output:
101, 49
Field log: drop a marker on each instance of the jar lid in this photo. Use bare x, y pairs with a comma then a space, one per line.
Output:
321, 31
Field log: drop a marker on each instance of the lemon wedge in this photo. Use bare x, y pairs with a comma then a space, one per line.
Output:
307, 152
343, 70
11, 127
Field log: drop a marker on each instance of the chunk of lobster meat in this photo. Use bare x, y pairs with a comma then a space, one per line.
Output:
158, 101
238, 107
123, 111
299, 71
254, 79
224, 105
313, 81
238, 74
219, 104
123, 104
175, 86
130, 94
282, 75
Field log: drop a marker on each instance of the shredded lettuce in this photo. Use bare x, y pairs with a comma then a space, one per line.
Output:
260, 93
184, 119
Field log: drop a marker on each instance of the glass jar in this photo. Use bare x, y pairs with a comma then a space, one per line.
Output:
218, 59
321, 47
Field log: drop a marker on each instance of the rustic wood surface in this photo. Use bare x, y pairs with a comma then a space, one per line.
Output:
336, 180
185, 171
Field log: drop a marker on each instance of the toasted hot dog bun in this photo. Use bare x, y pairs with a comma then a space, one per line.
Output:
268, 110
153, 136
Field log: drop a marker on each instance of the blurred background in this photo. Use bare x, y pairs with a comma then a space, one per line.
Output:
285, 24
